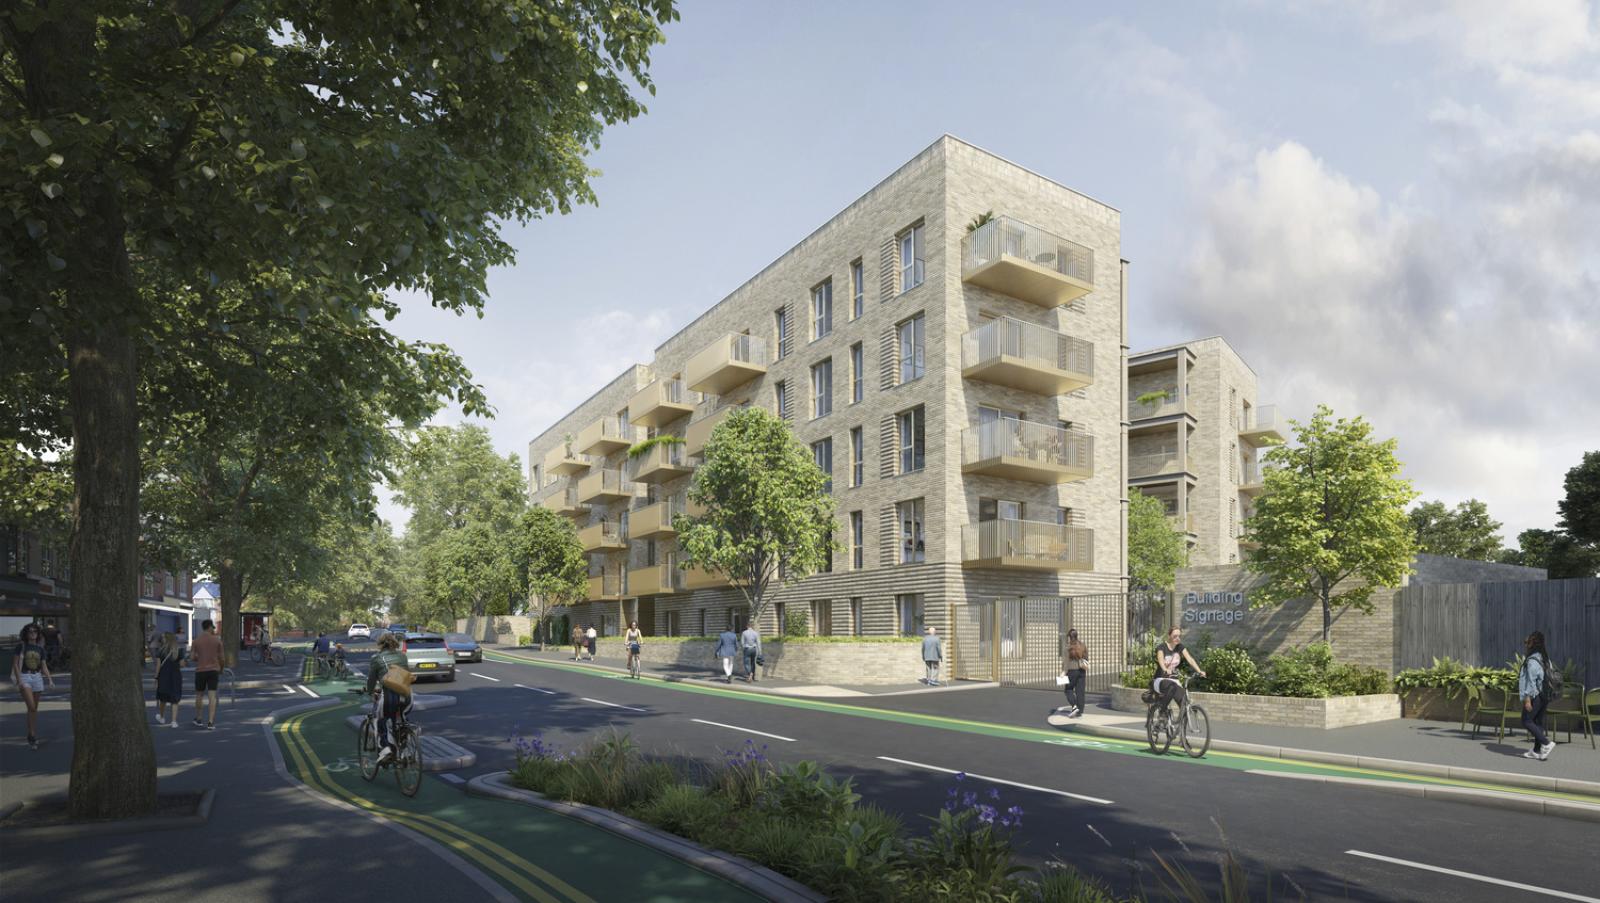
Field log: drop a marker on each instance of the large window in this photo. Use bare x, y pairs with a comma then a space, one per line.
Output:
913, 547
857, 553
822, 452
822, 310
858, 366
822, 617
913, 440
913, 362
780, 319
913, 613
911, 269
780, 397
822, 388
855, 615
858, 463
858, 290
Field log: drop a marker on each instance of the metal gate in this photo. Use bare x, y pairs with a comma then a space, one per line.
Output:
1022, 640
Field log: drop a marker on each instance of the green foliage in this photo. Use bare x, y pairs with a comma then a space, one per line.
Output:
1467, 531
1448, 674
979, 221
1333, 510
1062, 883
1155, 549
767, 509
548, 561
1155, 397
1580, 507
808, 640
524, 640
642, 448
1310, 672
1229, 669
962, 858
796, 623
684, 810
1555, 551
803, 792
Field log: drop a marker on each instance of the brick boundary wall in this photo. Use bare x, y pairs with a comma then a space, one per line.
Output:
1279, 711
821, 663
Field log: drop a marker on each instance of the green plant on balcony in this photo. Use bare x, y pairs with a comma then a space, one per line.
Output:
979, 221
1151, 399
640, 449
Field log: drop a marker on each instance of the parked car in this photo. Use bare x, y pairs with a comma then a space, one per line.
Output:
428, 657
359, 630
463, 647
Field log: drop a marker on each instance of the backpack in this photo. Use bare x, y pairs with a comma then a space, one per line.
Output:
1552, 680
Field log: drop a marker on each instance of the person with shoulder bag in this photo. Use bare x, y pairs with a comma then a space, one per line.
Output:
390, 671
1534, 686
1075, 668
169, 680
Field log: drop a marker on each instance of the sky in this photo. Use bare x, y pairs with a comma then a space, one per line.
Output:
1389, 208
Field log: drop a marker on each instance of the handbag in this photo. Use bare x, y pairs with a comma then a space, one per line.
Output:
398, 680
1063, 680
761, 659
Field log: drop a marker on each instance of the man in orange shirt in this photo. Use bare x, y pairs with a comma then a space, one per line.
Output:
206, 653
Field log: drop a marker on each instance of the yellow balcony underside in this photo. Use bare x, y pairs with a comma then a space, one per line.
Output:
1028, 469
1027, 281
1027, 374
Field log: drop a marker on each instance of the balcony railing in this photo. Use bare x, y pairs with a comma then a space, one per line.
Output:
604, 486
564, 500
1154, 465
609, 584
564, 460
654, 520
660, 403
1184, 522
1253, 476
699, 578
655, 580
1013, 258
605, 435
1022, 450
726, 363
601, 536
1026, 356
701, 427
1165, 407
1261, 426
1037, 545
663, 462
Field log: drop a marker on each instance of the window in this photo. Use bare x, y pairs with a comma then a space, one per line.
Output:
913, 440
999, 509
1233, 461
538, 478
912, 546
913, 364
822, 617
855, 615
738, 620
822, 388
674, 627
822, 452
857, 554
700, 622
822, 310
911, 269
858, 367
913, 613
781, 327
171, 587
858, 290
780, 610
858, 462
780, 392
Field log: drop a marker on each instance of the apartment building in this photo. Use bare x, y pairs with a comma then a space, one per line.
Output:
1195, 438
949, 346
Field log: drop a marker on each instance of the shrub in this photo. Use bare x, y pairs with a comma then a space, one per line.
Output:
1356, 680
685, 811
796, 623
1061, 883
1229, 669
742, 775
804, 792
1301, 672
524, 640
968, 853
775, 841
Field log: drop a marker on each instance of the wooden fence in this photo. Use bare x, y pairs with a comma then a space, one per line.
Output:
1485, 623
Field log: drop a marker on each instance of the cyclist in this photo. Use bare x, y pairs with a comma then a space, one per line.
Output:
634, 638
1169, 657
388, 655
320, 650
338, 662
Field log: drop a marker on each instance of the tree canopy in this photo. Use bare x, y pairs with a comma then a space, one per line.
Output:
1580, 508
549, 561
1558, 553
1466, 531
1155, 549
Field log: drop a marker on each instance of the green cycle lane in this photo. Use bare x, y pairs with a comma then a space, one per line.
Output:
1114, 745
533, 853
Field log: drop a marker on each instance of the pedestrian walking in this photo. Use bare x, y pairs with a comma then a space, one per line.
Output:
52, 643
169, 680
727, 648
1075, 668
932, 656
206, 653
750, 644
577, 641
30, 672
593, 636
1533, 685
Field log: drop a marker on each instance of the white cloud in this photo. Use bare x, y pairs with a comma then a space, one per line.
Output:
1487, 32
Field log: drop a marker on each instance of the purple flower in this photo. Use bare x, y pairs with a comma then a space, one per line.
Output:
994, 793
986, 814
961, 776
969, 799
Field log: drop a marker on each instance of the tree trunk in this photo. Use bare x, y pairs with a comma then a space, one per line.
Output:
231, 581
113, 759
1327, 612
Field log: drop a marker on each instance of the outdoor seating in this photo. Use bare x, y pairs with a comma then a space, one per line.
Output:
1494, 709
1578, 704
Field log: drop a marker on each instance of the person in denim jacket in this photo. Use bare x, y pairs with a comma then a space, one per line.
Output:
1531, 686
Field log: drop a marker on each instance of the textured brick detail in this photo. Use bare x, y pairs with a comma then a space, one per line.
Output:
1278, 711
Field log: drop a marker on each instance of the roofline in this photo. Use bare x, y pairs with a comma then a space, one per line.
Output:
1033, 172
579, 406
1185, 345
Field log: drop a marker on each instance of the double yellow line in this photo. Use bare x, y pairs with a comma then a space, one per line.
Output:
533, 882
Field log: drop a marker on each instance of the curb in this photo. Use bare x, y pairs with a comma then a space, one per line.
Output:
1491, 798
757, 879
1421, 769
142, 824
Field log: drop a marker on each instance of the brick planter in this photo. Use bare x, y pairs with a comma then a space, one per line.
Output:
1433, 704
1279, 711
820, 663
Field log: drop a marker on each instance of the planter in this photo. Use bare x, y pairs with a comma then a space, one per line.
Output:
1279, 711
1433, 704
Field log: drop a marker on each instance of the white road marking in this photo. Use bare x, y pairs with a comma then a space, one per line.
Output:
484, 676
1471, 877
535, 689
310, 692
735, 727
612, 704
452, 778
1076, 796
288, 689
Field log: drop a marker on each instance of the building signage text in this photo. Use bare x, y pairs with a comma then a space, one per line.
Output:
1214, 608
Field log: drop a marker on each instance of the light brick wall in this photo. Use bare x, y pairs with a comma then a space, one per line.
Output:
1279, 711
821, 663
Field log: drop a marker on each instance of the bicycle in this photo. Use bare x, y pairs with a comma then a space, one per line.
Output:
633, 661
272, 654
407, 740
1191, 725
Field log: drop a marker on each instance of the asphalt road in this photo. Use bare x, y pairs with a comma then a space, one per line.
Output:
1107, 811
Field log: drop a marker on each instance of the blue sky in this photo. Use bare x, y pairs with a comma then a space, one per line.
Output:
1390, 208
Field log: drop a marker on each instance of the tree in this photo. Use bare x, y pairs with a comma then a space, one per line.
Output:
1333, 509
1155, 549
348, 582
1555, 551
1465, 532
1580, 509
368, 147
550, 563
768, 512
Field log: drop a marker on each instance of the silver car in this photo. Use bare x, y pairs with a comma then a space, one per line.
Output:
428, 657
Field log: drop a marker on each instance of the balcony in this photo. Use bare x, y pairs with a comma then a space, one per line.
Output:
699, 578
1020, 450
602, 537
654, 521
1260, 426
655, 580
1027, 357
1184, 523
564, 461
1027, 544
1156, 464
699, 431
1253, 478
660, 403
663, 462
1025, 262
1149, 410
604, 486
607, 586
565, 501
727, 363
604, 436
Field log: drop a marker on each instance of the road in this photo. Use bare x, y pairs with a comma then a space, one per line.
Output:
1102, 807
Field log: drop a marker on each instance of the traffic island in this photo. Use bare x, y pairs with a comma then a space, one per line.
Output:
48, 818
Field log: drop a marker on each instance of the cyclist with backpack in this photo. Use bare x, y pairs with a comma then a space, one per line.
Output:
389, 655
1537, 684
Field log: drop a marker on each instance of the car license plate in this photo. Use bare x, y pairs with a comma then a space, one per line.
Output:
427, 666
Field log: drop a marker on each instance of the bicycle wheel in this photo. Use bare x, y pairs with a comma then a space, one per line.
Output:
277, 656
255, 653
1155, 729
367, 748
1196, 732
408, 761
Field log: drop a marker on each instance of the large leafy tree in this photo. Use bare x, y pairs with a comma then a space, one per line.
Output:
365, 145
1580, 508
1332, 522
1466, 531
549, 562
349, 580
1555, 551
1155, 549
768, 517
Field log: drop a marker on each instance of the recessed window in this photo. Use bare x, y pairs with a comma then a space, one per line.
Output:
858, 290
780, 319
913, 439
858, 462
913, 613
780, 393
822, 310
911, 267
822, 453
858, 366
913, 546
857, 552
913, 363
822, 617
855, 615
822, 388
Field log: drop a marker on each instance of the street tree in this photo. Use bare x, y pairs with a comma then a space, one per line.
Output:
1467, 531
1580, 508
1555, 551
1155, 548
370, 148
1331, 522
348, 581
549, 562
768, 512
